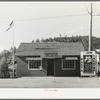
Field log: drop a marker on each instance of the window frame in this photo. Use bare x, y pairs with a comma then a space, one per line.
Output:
35, 59
69, 68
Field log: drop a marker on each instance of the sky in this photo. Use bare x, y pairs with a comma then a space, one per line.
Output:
34, 20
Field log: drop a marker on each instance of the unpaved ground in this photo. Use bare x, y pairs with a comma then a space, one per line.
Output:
51, 82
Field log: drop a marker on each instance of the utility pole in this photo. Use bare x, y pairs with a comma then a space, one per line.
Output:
90, 35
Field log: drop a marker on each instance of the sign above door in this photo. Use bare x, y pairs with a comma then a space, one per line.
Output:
51, 53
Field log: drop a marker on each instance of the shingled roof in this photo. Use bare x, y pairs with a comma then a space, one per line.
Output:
33, 49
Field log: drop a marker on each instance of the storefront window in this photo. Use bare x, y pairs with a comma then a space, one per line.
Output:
34, 65
68, 64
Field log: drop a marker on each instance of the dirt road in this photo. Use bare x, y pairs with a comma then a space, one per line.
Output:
51, 82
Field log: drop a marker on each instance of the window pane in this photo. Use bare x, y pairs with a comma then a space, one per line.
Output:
34, 64
67, 64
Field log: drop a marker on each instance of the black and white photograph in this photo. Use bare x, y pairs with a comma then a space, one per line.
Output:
49, 45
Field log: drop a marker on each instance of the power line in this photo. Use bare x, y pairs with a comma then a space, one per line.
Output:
50, 17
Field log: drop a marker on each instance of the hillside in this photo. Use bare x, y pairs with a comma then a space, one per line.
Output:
83, 39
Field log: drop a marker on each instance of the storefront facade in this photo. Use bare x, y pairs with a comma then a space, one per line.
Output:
49, 59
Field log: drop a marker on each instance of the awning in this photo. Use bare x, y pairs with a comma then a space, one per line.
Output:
31, 58
71, 58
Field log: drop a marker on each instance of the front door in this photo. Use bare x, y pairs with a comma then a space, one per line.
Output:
50, 67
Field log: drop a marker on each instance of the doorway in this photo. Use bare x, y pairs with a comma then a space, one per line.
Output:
50, 67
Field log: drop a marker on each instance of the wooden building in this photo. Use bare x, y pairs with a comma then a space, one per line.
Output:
49, 59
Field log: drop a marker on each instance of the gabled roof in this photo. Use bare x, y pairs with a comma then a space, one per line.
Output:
33, 49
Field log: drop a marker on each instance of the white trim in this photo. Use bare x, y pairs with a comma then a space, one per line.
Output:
71, 58
35, 68
69, 68
87, 53
35, 58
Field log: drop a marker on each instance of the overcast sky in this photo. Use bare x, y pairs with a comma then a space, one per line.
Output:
34, 20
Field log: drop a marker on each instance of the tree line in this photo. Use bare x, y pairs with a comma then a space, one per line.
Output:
83, 39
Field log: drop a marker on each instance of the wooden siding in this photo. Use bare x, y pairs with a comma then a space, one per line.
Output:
22, 68
60, 72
